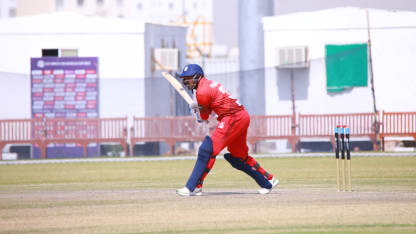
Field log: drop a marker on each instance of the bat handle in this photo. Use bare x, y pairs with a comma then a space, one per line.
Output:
198, 117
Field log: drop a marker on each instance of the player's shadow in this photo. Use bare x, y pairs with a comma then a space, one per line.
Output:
226, 193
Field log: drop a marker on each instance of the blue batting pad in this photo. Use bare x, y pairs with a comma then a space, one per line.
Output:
204, 154
242, 166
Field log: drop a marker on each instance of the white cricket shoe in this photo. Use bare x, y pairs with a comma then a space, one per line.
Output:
198, 191
274, 181
185, 192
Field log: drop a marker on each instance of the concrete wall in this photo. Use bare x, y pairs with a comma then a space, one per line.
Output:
393, 41
14, 96
161, 98
251, 43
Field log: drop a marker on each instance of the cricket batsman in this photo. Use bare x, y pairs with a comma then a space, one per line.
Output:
231, 132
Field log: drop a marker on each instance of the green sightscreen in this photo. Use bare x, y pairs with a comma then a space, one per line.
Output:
346, 66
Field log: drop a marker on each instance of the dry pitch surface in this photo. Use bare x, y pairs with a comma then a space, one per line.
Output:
127, 198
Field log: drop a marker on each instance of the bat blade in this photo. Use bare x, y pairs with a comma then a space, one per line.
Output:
178, 86
181, 90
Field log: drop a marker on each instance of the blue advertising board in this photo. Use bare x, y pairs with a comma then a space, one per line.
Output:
65, 87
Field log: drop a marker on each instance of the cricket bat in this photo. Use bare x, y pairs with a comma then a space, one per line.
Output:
181, 90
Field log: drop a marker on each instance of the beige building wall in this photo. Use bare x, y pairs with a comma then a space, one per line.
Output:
34, 7
7, 8
112, 8
160, 11
195, 14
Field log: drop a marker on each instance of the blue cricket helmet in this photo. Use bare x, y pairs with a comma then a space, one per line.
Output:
192, 70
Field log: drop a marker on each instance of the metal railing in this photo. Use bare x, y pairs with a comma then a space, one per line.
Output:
42, 132
171, 130
322, 125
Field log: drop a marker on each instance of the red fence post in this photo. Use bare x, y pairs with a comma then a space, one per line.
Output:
124, 143
171, 142
43, 146
1, 140
1, 150
293, 131
132, 137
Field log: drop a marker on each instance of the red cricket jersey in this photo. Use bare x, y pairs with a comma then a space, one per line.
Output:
212, 96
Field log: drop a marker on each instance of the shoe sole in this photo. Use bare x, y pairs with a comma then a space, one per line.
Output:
189, 194
183, 194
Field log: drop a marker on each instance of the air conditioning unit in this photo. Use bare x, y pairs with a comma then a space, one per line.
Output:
292, 57
166, 58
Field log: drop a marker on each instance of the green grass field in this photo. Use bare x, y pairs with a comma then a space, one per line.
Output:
139, 197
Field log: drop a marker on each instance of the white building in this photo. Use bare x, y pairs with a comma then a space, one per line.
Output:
123, 47
196, 14
7, 8
157, 11
393, 40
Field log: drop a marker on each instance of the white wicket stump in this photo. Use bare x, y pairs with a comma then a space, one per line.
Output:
344, 168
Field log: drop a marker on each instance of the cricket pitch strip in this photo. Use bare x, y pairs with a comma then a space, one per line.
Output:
217, 210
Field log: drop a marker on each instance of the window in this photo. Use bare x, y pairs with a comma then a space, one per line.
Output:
69, 52
50, 52
80, 3
100, 2
171, 5
139, 6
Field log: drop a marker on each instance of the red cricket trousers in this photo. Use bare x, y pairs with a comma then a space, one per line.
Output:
231, 132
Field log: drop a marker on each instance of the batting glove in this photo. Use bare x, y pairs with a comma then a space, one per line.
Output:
194, 107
